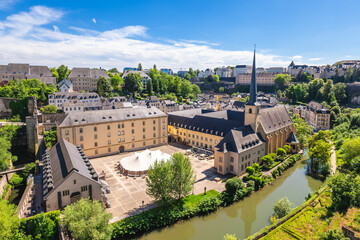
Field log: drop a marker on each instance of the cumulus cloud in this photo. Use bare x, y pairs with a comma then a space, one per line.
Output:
94, 20
6, 4
27, 37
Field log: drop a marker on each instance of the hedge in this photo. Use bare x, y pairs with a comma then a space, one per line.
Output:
286, 164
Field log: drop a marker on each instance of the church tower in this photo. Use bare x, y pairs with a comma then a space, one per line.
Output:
252, 108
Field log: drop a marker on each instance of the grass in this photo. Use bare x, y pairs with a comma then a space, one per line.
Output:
193, 200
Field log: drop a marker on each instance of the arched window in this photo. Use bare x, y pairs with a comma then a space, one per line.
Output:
250, 110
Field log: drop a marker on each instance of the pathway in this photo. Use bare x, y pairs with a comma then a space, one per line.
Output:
332, 160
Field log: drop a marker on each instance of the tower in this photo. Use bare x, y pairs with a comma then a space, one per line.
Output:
252, 108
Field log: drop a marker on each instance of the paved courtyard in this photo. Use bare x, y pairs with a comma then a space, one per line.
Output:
128, 194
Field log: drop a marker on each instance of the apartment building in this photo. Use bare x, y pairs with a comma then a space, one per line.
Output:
90, 101
241, 69
317, 116
25, 71
68, 176
261, 78
275, 70
225, 72
85, 79
108, 132
206, 73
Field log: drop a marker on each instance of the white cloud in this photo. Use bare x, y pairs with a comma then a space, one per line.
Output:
315, 59
6, 4
297, 57
39, 43
94, 20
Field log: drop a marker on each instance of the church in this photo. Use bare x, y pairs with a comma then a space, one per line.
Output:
263, 131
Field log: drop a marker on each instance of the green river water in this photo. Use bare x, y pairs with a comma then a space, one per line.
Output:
247, 216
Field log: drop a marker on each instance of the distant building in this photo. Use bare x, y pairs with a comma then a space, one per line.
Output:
182, 73
68, 176
167, 71
318, 116
25, 71
75, 101
85, 79
294, 70
108, 132
65, 86
129, 69
265, 79
260, 70
241, 69
144, 77
276, 70
204, 74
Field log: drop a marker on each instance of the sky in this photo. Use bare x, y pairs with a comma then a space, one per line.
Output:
178, 34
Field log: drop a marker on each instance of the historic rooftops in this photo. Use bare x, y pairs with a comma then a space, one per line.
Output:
102, 116
88, 73
65, 82
239, 140
317, 107
142, 74
73, 96
274, 118
63, 159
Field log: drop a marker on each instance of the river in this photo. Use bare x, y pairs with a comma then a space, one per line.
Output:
246, 217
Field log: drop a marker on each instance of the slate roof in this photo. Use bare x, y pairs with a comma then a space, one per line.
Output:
275, 118
114, 115
239, 140
66, 82
142, 74
210, 122
63, 159
73, 95
317, 107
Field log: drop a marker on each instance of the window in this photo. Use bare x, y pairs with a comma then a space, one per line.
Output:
95, 129
132, 124
201, 138
81, 138
81, 130
122, 132
123, 139
144, 144
108, 127
119, 125
154, 128
143, 123
119, 140
95, 144
132, 131
220, 168
220, 159
109, 134
66, 132
95, 136
143, 129
250, 110
133, 145
109, 149
119, 133
109, 142
153, 121
133, 138
154, 135
96, 151
66, 193
205, 139
84, 188
231, 159
215, 141
242, 159
210, 140
75, 181
144, 136
154, 141
231, 168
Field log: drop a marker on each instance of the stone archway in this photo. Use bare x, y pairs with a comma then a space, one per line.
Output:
122, 149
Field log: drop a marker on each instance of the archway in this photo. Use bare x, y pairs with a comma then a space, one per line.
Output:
121, 149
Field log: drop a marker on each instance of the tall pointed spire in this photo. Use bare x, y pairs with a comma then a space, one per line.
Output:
253, 86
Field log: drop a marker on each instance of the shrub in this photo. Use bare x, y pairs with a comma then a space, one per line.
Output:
250, 170
49, 109
209, 204
281, 152
282, 207
15, 180
234, 184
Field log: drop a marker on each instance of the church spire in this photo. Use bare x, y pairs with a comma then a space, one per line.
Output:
253, 87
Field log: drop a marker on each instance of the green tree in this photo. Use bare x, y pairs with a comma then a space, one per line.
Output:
234, 184
186, 89
319, 153
281, 152
116, 80
49, 109
43, 227
187, 76
339, 90
50, 137
103, 86
314, 87
9, 221
267, 160
282, 207
113, 70
87, 220
133, 82
183, 177
195, 90
63, 72
158, 181
221, 89
282, 79
149, 87
345, 191
140, 67
250, 170
303, 130
215, 78
350, 149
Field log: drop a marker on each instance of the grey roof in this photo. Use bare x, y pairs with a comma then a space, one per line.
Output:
239, 140
274, 118
102, 116
292, 138
142, 74
317, 107
65, 158
210, 122
73, 95
66, 82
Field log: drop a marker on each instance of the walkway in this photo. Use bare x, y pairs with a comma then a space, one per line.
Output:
13, 123
332, 160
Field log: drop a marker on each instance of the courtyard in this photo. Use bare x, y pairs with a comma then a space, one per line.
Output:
128, 194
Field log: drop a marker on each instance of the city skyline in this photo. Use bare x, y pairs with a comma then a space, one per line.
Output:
201, 35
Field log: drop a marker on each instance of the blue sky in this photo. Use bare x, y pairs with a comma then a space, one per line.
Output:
177, 34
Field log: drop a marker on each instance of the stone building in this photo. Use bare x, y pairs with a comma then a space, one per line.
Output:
265, 79
108, 132
68, 176
65, 86
318, 116
85, 79
25, 71
77, 101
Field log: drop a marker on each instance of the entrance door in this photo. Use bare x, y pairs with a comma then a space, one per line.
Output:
121, 149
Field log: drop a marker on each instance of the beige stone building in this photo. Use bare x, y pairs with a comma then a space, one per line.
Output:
68, 176
261, 78
85, 79
107, 132
318, 116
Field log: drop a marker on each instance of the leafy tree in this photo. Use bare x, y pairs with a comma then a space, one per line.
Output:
303, 130
5, 155
234, 184
267, 160
187, 76
50, 137
103, 86
256, 167
345, 191
113, 70
281, 152
49, 109
350, 149
43, 227
116, 80
282, 79
216, 78
9, 221
87, 219
319, 153
286, 148
339, 90
221, 89
250, 170
133, 82
282, 207
196, 90
63, 72
314, 89
333, 234
158, 181
186, 89
183, 177
15, 180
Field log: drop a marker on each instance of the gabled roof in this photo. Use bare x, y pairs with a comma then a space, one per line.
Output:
66, 82
275, 118
292, 138
239, 140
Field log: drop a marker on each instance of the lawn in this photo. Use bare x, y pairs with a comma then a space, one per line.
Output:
193, 200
